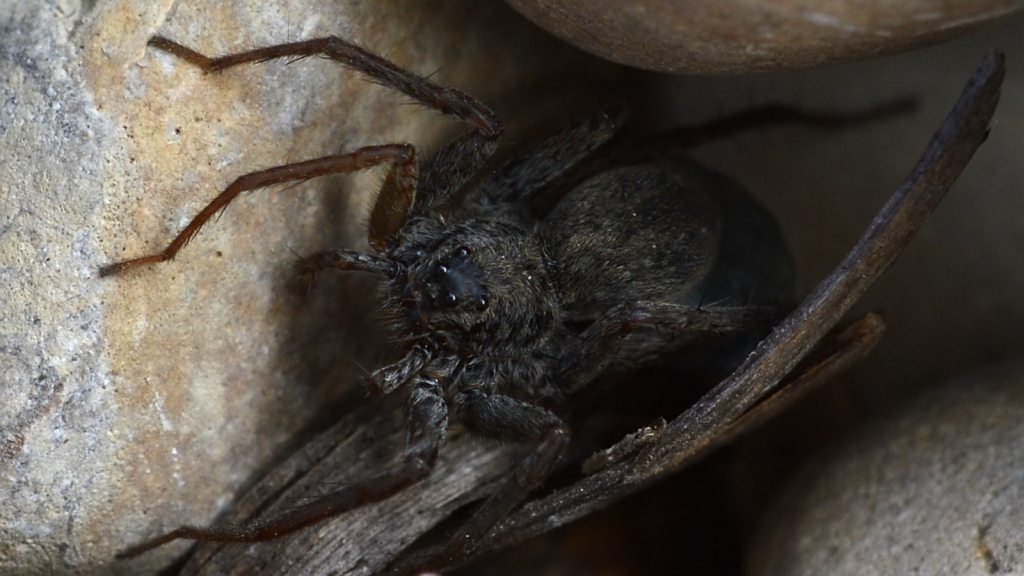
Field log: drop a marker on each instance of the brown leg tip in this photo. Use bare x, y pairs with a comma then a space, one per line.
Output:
110, 270
119, 267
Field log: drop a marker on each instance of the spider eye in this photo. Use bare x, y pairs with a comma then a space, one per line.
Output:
462, 252
482, 303
442, 269
450, 299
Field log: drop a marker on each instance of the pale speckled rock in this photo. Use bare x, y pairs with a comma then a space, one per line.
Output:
935, 489
739, 36
131, 404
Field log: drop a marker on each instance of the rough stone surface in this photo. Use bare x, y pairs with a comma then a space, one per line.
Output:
736, 36
135, 403
936, 489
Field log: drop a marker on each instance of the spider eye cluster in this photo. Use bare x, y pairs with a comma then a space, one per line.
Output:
457, 282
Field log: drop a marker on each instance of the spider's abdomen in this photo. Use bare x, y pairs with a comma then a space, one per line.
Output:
629, 234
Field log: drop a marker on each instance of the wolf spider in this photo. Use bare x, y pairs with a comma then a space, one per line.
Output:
499, 304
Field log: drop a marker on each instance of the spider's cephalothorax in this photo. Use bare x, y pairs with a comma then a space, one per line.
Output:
495, 302
476, 295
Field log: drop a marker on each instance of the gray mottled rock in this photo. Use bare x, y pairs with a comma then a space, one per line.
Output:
935, 489
131, 404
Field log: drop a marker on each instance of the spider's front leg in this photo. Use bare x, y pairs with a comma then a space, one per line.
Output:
443, 173
309, 266
401, 157
403, 194
427, 426
502, 418
446, 100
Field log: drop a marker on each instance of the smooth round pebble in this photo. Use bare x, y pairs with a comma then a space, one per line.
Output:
738, 36
938, 488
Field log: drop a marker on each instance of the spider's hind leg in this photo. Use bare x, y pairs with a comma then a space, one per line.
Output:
757, 118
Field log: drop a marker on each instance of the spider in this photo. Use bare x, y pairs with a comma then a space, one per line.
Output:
503, 292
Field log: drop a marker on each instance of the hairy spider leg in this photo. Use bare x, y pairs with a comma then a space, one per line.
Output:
427, 426
761, 117
551, 160
344, 260
387, 379
444, 171
449, 101
402, 158
398, 194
